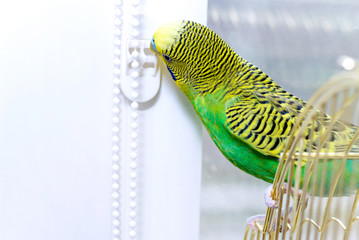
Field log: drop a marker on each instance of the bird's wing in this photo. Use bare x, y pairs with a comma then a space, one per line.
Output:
263, 120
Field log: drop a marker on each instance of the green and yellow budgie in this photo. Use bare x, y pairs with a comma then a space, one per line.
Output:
248, 116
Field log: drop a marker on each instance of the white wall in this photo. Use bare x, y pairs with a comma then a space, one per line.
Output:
55, 127
170, 155
55, 119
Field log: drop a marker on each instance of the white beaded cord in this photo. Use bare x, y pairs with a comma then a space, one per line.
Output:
125, 179
135, 85
116, 213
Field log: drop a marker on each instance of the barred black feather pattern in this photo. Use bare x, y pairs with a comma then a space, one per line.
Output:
204, 58
264, 115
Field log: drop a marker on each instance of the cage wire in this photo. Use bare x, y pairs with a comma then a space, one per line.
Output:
322, 201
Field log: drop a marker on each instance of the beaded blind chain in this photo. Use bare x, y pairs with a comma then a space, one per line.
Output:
116, 229
134, 119
129, 191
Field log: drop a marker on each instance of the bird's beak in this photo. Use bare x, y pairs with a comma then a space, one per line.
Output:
153, 46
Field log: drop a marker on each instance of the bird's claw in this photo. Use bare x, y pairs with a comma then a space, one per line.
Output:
273, 203
268, 197
251, 221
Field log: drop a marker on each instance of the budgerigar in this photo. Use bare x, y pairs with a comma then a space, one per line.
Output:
248, 116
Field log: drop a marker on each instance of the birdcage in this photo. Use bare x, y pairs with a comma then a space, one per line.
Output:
324, 203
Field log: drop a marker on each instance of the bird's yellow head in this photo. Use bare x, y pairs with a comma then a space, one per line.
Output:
166, 38
167, 35
193, 54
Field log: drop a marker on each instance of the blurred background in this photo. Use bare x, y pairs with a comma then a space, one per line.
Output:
298, 44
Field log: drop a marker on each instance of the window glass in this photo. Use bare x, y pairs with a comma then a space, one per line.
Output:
298, 45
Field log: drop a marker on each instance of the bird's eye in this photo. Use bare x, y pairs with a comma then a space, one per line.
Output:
167, 58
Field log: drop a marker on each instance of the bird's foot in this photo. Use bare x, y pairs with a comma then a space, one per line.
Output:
252, 221
269, 198
273, 203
